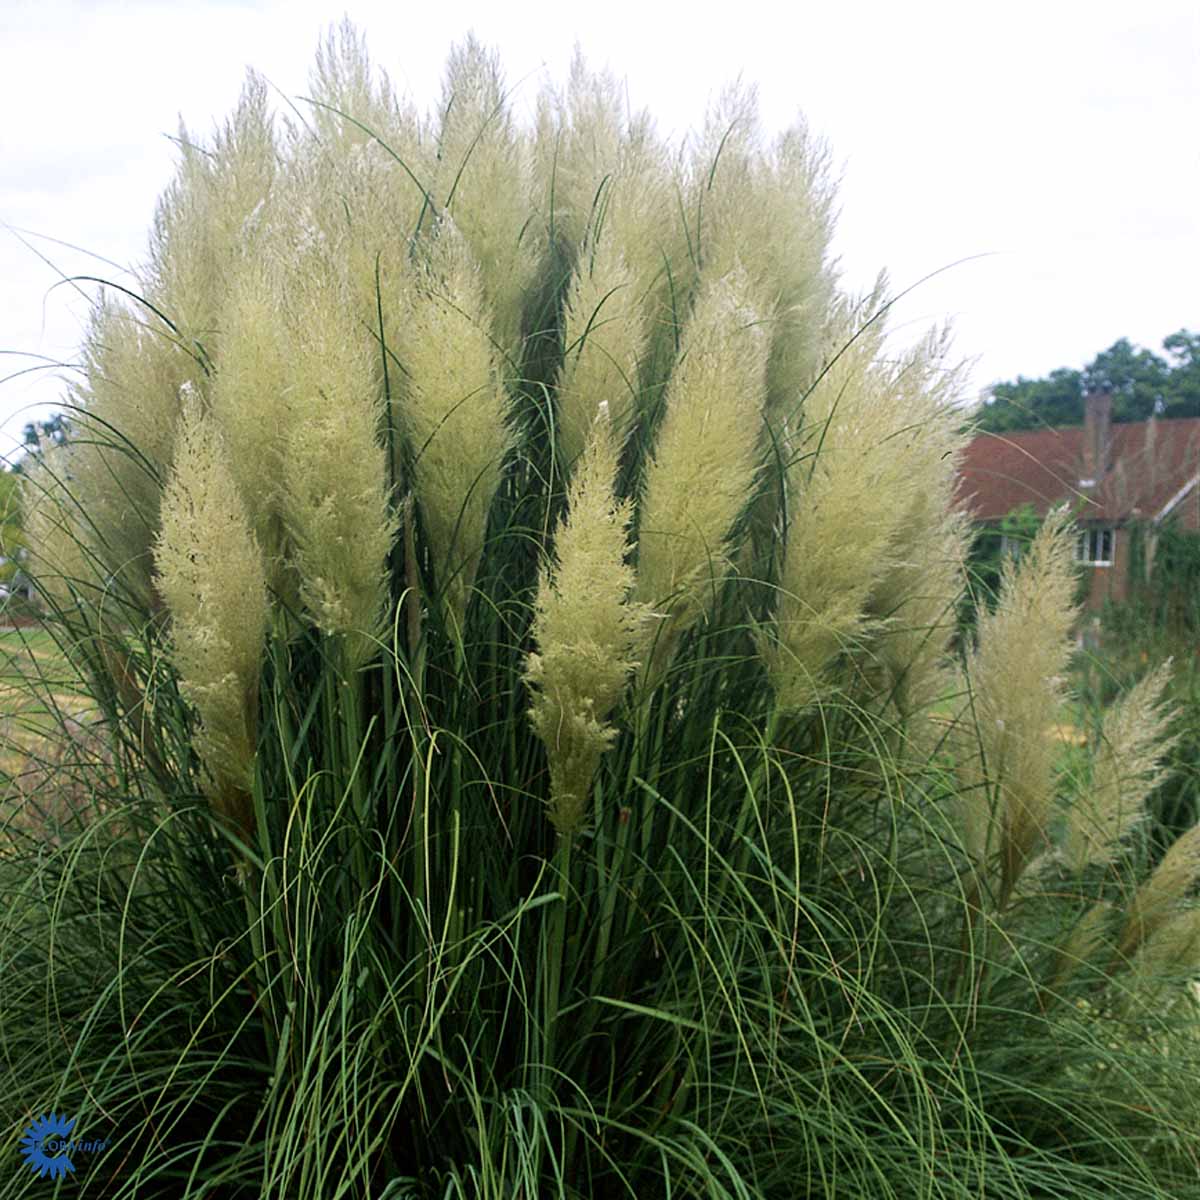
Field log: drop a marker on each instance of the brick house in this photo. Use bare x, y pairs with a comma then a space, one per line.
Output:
1115, 475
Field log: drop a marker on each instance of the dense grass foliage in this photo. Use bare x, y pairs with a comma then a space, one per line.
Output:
520, 592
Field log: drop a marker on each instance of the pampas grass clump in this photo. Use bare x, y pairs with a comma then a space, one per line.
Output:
520, 589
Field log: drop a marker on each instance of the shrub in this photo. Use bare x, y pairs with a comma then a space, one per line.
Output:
519, 586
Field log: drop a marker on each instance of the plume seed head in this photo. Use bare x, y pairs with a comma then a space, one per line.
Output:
55, 532
251, 402
1126, 768
872, 543
1162, 895
1173, 949
705, 458
603, 338
212, 578
1006, 757
336, 501
587, 630
483, 182
454, 409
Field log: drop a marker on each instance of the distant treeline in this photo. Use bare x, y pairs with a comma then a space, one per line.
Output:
1141, 382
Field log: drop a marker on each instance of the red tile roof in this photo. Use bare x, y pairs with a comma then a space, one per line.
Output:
1149, 462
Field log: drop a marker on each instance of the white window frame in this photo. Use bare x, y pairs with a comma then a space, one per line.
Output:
1011, 547
1090, 546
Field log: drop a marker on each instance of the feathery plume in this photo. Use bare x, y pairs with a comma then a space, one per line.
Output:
362, 182
1005, 757
705, 459
211, 217
251, 402
587, 631
129, 402
336, 502
859, 469
603, 337
800, 196
913, 604
483, 182
58, 555
1126, 768
769, 210
454, 410
355, 101
1160, 897
581, 136
1082, 944
601, 172
211, 575
1172, 950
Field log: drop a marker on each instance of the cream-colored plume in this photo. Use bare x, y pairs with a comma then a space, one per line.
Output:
483, 181
1083, 944
363, 179
1126, 768
801, 222
602, 338
1161, 897
211, 218
915, 608
56, 533
602, 172
1172, 950
705, 460
253, 405
211, 576
354, 102
134, 375
914, 602
587, 630
771, 212
454, 410
207, 224
1013, 693
336, 490
867, 454
581, 135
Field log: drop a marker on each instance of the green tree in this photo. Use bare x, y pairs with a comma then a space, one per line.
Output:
1137, 380
1141, 383
1183, 392
38, 435
1034, 403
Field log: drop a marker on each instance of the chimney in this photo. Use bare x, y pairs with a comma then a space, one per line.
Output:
1097, 437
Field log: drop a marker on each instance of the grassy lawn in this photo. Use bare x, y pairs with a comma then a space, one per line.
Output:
39, 691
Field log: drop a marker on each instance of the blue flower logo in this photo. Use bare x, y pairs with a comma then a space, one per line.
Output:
45, 1145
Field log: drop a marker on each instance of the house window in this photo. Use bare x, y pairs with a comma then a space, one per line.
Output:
1095, 547
1011, 547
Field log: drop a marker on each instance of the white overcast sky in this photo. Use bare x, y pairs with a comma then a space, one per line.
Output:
1055, 144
